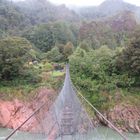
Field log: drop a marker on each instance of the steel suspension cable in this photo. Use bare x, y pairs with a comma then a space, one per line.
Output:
96, 110
7, 138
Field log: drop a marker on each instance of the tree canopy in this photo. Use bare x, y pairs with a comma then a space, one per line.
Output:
14, 53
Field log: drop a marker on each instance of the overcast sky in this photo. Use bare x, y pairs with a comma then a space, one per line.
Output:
86, 2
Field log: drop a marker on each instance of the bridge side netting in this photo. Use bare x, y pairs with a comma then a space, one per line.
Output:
66, 119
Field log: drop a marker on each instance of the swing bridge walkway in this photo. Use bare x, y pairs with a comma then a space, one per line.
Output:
69, 105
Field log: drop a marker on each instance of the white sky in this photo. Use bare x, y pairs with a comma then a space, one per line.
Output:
86, 2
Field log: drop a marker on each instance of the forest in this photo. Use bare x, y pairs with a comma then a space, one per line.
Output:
103, 50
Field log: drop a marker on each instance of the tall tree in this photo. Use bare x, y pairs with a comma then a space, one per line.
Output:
68, 50
41, 36
14, 52
129, 59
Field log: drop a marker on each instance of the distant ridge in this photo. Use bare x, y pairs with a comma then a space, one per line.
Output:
107, 9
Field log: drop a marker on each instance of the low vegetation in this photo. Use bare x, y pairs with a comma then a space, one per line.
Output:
42, 74
107, 76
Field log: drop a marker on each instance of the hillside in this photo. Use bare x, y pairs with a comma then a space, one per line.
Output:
17, 16
110, 31
44, 11
123, 21
106, 9
10, 16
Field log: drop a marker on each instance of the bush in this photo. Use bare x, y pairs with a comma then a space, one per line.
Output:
95, 73
14, 53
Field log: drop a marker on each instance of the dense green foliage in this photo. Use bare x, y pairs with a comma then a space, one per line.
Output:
42, 37
96, 73
14, 53
54, 55
129, 59
11, 19
26, 87
60, 53
46, 36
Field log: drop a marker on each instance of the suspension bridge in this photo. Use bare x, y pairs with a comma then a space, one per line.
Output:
67, 118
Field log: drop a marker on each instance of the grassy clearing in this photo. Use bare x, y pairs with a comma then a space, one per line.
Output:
56, 73
22, 92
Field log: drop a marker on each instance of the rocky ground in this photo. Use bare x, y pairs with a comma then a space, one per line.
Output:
14, 113
125, 117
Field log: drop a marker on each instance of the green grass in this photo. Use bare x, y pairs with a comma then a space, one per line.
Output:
28, 91
22, 92
57, 73
132, 96
107, 100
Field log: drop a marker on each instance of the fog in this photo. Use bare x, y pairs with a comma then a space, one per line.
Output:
87, 2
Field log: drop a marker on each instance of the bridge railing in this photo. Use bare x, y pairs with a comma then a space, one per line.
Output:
100, 114
18, 128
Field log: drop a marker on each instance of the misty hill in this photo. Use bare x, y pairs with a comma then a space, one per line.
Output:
17, 16
114, 6
10, 15
40, 11
123, 21
111, 31
107, 8
45, 11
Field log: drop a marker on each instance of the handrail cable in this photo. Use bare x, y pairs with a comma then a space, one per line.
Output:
96, 110
7, 138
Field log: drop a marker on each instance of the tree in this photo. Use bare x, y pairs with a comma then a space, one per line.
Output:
97, 33
46, 36
41, 36
85, 46
54, 55
2, 34
60, 47
11, 17
63, 33
68, 50
129, 59
14, 52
